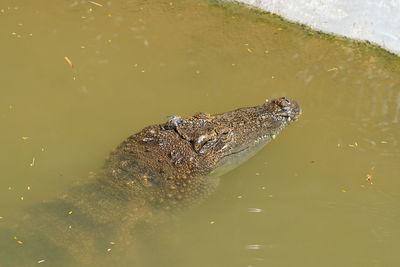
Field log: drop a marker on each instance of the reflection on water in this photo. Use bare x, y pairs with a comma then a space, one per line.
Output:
326, 189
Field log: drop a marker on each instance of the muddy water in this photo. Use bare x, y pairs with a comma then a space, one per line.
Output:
78, 77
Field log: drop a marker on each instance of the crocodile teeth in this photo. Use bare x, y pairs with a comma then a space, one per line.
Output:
224, 147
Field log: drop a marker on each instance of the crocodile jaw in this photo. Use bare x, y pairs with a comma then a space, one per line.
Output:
266, 122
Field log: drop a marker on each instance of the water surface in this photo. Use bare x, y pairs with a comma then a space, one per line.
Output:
78, 77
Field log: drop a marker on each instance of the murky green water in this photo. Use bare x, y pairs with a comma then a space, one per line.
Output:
303, 201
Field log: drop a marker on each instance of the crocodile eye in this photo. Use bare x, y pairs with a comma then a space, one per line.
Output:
200, 141
175, 120
284, 102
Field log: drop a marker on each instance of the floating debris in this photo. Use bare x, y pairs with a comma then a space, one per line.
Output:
384, 142
69, 62
253, 247
33, 162
343, 190
369, 178
212, 222
256, 210
18, 241
249, 50
332, 69
239, 197
25, 137
95, 3
354, 145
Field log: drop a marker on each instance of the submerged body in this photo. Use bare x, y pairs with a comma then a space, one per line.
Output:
163, 167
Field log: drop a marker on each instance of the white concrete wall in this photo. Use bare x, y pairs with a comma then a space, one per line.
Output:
375, 20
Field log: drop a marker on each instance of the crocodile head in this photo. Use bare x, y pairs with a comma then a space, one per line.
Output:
177, 162
230, 138
253, 128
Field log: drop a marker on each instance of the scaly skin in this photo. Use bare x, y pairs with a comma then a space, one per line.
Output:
161, 168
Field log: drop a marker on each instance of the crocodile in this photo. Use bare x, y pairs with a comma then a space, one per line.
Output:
160, 169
